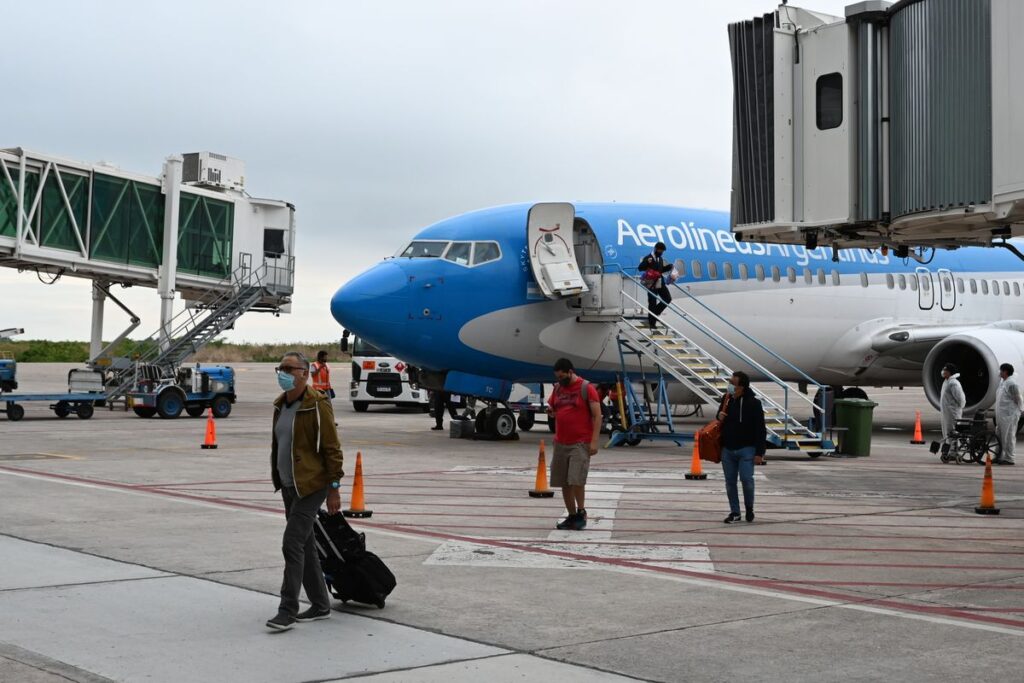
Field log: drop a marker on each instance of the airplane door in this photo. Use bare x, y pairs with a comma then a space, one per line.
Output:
925, 289
549, 236
947, 290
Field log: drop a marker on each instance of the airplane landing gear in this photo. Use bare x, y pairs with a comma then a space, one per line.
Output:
496, 423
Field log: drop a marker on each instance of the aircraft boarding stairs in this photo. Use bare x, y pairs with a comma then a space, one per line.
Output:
676, 355
195, 327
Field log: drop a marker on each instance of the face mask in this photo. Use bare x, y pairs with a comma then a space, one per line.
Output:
731, 390
285, 380
565, 381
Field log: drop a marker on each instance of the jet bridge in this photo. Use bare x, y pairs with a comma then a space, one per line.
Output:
193, 231
898, 125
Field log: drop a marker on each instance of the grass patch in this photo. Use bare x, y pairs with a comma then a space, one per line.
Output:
43, 351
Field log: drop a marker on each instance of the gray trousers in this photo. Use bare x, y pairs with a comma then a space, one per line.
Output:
301, 564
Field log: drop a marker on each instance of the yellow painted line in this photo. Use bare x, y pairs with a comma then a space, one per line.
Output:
62, 455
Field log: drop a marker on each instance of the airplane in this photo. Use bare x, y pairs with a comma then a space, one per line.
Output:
495, 296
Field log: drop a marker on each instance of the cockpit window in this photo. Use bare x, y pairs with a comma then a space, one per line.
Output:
484, 252
424, 249
459, 253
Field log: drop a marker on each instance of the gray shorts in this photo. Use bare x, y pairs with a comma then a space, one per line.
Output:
570, 464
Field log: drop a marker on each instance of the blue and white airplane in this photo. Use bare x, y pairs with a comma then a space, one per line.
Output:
501, 293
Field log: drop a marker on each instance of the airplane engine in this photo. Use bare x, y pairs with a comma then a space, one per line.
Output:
977, 355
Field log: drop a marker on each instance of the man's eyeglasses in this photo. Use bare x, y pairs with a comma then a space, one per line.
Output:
285, 368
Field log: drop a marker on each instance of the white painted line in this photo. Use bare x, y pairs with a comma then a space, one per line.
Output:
693, 557
594, 473
599, 527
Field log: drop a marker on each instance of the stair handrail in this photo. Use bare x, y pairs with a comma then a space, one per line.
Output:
720, 340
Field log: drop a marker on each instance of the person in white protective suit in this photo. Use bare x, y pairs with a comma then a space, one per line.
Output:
1009, 405
951, 399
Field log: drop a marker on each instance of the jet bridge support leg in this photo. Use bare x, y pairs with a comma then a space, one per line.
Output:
99, 297
169, 268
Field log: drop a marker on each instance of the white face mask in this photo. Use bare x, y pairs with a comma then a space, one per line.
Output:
731, 389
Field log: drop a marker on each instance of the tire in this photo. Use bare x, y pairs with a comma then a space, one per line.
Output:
221, 407
480, 423
526, 420
62, 409
170, 404
502, 423
195, 410
84, 411
855, 392
144, 411
989, 445
634, 440
362, 406
15, 412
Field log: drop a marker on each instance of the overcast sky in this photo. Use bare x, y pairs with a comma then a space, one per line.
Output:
373, 118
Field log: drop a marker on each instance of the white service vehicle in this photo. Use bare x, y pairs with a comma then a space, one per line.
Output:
380, 379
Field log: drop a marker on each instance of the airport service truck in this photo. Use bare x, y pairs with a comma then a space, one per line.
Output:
380, 379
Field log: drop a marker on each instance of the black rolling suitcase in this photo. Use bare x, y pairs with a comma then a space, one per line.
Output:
352, 572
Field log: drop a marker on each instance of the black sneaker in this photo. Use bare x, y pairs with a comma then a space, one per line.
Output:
282, 622
750, 515
313, 614
733, 517
581, 521
568, 523
436, 429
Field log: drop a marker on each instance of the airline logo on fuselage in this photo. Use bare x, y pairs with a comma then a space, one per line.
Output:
685, 235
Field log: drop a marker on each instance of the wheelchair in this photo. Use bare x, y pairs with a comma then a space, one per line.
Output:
970, 441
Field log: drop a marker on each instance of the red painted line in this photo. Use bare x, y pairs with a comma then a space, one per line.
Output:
901, 584
205, 483
768, 584
732, 546
863, 565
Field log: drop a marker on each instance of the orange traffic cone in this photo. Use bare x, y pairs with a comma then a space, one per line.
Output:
211, 433
358, 508
540, 485
987, 506
918, 438
695, 467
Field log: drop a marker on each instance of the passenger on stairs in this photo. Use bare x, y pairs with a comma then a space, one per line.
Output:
652, 275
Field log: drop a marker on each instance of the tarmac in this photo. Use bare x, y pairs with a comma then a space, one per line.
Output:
130, 554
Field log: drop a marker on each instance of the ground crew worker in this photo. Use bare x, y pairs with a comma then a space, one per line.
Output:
320, 373
744, 440
439, 401
577, 411
306, 466
1009, 405
652, 275
951, 399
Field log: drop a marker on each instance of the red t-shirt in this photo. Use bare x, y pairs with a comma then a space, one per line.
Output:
573, 422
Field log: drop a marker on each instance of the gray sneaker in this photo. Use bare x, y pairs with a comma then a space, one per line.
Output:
313, 614
282, 622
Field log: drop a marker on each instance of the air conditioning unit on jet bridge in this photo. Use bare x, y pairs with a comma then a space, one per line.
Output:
898, 124
208, 169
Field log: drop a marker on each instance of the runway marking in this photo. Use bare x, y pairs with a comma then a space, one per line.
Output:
694, 556
763, 587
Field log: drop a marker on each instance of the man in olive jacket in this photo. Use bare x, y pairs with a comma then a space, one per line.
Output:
306, 466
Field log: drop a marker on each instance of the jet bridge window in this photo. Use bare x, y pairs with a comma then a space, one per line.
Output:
459, 253
829, 109
424, 249
485, 252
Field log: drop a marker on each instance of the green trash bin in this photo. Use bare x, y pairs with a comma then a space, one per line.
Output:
855, 414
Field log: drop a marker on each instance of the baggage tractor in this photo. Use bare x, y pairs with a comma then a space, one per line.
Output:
351, 571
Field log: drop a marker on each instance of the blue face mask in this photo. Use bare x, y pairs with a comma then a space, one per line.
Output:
285, 380
731, 390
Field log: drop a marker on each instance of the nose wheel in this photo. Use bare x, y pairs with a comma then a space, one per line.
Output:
496, 423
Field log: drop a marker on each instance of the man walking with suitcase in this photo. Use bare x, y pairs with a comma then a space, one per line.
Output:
306, 466
577, 411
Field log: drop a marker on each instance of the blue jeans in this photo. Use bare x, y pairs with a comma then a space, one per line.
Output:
739, 461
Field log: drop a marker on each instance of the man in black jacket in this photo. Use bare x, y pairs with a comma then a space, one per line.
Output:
652, 275
743, 443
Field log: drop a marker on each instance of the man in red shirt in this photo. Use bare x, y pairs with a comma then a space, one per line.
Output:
577, 411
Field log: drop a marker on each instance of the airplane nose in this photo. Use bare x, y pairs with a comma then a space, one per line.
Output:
375, 304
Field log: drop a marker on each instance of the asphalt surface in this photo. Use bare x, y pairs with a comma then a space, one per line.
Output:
132, 554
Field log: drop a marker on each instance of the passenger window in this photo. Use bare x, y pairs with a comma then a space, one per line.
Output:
1006, 288
913, 283
995, 287
863, 279
776, 274
984, 286
712, 270
808, 276
727, 271
821, 276
960, 285
835, 277
974, 286
459, 253
695, 267
680, 266
759, 271
890, 281
484, 252
744, 273
926, 281
903, 281
1016, 289
829, 109
424, 250
791, 274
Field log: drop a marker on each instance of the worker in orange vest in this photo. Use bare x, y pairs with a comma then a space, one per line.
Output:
321, 374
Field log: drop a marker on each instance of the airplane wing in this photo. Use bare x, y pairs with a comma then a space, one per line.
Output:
906, 346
